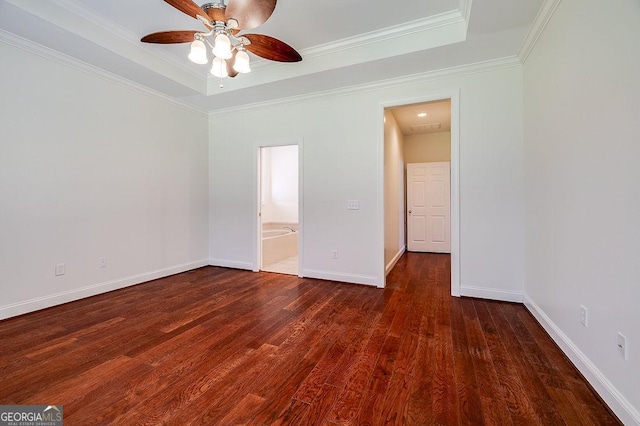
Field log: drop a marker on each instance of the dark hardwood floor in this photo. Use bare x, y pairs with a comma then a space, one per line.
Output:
221, 346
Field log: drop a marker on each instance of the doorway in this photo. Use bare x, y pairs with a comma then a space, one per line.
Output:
421, 131
278, 209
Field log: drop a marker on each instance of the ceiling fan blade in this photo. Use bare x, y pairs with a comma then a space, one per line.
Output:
189, 7
170, 37
271, 48
250, 13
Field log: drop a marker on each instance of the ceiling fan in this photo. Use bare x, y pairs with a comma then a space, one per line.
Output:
224, 23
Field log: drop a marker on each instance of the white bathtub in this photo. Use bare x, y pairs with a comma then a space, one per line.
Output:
272, 233
278, 245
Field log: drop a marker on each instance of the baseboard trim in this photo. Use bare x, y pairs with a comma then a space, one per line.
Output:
393, 261
224, 263
342, 277
491, 293
48, 301
622, 408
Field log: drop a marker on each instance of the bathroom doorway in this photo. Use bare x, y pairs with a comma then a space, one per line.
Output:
279, 207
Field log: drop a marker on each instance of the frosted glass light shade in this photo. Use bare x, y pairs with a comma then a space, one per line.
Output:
222, 46
241, 63
219, 67
198, 53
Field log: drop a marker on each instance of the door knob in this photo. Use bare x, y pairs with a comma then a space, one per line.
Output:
409, 211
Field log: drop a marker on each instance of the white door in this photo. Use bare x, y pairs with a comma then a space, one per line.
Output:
429, 207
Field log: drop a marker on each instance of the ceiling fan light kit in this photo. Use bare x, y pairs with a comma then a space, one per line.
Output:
241, 63
219, 68
198, 53
229, 49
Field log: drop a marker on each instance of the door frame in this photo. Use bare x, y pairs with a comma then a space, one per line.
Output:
257, 241
454, 95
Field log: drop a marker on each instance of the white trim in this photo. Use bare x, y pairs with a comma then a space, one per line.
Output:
455, 195
625, 411
131, 38
539, 24
455, 177
491, 293
257, 246
465, 10
70, 15
89, 26
407, 29
78, 65
341, 277
48, 301
380, 200
393, 261
234, 264
419, 35
300, 206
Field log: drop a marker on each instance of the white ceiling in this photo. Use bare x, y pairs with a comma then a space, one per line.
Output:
346, 43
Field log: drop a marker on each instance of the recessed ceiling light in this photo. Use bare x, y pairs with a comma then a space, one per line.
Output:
422, 114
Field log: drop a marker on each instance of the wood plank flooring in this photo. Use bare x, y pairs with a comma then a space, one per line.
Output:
220, 346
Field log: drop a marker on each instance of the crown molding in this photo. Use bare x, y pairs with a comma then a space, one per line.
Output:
118, 31
537, 28
452, 72
422, 34
465, 10
363, 40
60, 58
407, 29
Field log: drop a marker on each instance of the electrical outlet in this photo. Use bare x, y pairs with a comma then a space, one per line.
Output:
334, 253
60, 269
622, 346
584, 319
103, 262
353, 205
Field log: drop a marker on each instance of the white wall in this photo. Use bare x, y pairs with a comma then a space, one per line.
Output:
394, 244
342, 160
427, 147
89, 168
582, 104
279, 168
